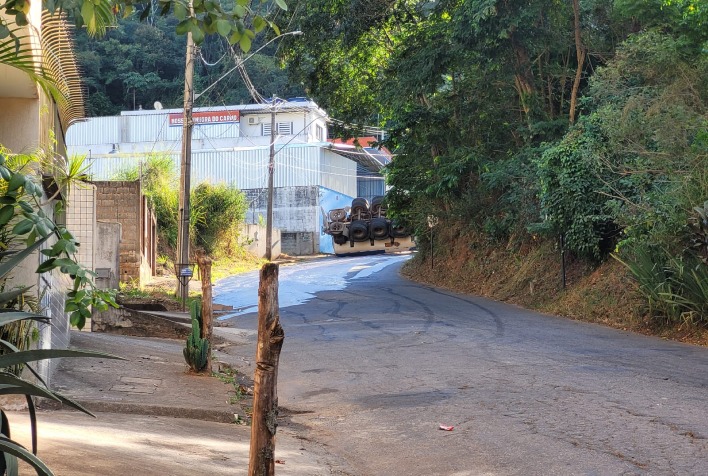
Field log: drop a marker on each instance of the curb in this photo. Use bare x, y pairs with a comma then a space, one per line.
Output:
218, 416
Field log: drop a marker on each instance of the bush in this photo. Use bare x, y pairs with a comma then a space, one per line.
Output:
676, 288
215, 210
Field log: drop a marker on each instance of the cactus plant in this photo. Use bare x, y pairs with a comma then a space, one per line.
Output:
197, 349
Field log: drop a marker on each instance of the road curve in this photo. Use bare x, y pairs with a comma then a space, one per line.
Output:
372, 368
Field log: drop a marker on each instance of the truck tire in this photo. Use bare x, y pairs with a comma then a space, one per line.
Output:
398, 231
358, 231
336, 227
378, 229
337, 214
360, 207
377, 207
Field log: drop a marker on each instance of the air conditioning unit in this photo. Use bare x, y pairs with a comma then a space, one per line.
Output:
252, 120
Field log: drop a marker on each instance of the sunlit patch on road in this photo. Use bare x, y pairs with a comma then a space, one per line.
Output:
299, 283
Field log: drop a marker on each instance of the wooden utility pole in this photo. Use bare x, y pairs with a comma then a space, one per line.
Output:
271, 170
186, 165
265, 391
207, 309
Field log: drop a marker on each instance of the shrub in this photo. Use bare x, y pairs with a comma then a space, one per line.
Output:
24, 230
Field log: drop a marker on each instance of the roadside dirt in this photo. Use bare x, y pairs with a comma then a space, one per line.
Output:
530, 276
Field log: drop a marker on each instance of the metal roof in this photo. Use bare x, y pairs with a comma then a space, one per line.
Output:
370, 158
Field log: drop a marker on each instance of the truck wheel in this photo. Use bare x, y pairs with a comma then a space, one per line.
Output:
360, 206
378, 229
337, 214
359, 231
398, 231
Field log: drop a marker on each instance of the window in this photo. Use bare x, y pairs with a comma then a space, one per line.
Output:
320, 133
283, 128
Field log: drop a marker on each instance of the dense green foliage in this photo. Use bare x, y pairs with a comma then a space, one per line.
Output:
236, 22
216, 210
137, 64
25, 230
521, 119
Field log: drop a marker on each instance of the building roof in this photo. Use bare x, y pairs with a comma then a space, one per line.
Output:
287, 105
360, 150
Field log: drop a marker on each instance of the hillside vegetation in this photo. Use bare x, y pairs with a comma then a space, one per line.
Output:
523, 125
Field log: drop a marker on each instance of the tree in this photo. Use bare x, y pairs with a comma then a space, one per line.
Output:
238, 24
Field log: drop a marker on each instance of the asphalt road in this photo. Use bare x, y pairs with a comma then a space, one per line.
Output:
372, 368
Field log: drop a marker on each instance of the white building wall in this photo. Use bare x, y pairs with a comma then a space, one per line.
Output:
295, 166
338, 173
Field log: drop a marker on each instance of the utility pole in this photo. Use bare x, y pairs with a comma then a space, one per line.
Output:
271, 169
185, 167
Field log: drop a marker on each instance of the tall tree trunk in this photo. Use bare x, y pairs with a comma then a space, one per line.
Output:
580, 53
265, 391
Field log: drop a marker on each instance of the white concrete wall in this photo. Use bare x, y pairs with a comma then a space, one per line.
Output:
253, 238
107, 256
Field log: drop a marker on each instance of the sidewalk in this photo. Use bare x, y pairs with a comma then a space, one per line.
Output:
153, 417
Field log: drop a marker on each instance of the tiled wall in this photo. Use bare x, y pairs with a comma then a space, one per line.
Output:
81, 221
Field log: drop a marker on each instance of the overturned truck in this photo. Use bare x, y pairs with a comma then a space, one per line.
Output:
364, 228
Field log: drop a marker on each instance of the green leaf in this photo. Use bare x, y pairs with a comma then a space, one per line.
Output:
8, 296
235, 37
47, 265
245, 43
16, 181
31, 238
5, 173
11, 384
282, 4
182, 27
223, 27
24, 205
259, 23
197, 34
23, 227
21, 19
8, 317
65, 262
88, 15
42, 229
180, 12
6, 214
17, 258
9, 446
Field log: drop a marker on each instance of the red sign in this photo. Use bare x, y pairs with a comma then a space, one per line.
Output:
207, 117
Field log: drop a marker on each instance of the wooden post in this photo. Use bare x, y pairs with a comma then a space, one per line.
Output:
265, 391
207, 314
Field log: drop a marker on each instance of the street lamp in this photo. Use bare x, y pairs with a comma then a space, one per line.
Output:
186, 160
